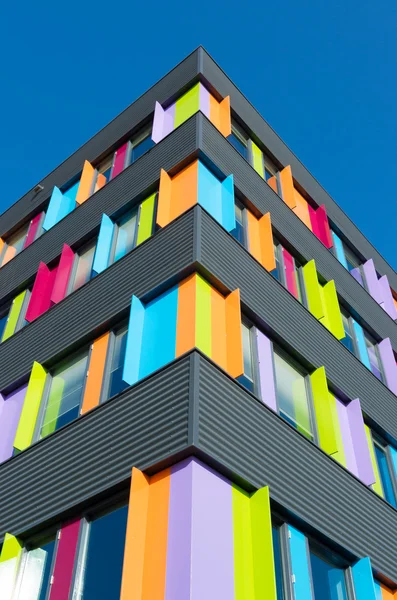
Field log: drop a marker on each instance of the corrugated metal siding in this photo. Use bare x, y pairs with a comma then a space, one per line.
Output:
124, 123
85, 220
251, 185
89, 311
246, 437
289, 320
142, 426
285, 156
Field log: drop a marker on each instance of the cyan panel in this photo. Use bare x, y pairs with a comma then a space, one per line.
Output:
363, 580
378, 591
67, 206
159, 333
134, 342
300, 565
340, 254
51, 217
362, 348
104, 245
393, 454
228, 212
209, 192
71, 193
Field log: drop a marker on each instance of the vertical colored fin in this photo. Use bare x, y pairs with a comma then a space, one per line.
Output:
371, 280
313, 293
266, 370
257, 159
9, 254
146, 215
254, 244
324, 228
53, 406
158, 123
228, 214
205, 105
119, 160
377, 486
10, 412
235, 361
33, 228
187, 105
266, 241
287, 187
218, 329
64, 561
63, 273
40, 299
387, 297
389, 364
104, 245
96, 367
363, 580
225, 122
86, 183
10, 557
300, 565
272, 182
51, 217
203, 315
362, 348
186, 316
301, 209
13, 316
339, 251
101, 181
184, 192
314, 222
332, 310
164, 199
31, 405
360, 443
134, 342
210, 192
290, 273
325, 409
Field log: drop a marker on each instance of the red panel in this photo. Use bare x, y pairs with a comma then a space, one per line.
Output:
62, 274
119, 160
314, 222
32, 232
325, 231
40, 300
290, 273
64, 562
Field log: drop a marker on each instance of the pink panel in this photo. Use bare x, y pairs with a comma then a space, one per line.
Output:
119, 160
40, 300
314, 222
32, 232
290, 273
62, 275
64, 562
323, 225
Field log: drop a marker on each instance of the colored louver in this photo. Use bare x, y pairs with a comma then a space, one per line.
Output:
10, 411
260, 240
30, 409
59, 207
379, 289
97, 360
34, 229
13, 315
10, 557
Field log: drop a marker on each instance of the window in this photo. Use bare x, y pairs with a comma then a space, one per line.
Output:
292, 395
239, 231
247, 379
35, 571
278, 271
117, 355
14, 245
278, 564
373, 355
239, 139
353, 262
328, 578
269, 168
82, 268
288, 271
385, 470
99, 571
348, 340
3, 321
105, 168
125, 235
64, 394
140, 143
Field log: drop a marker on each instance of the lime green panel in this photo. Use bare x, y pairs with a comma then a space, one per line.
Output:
145, 228
243, 558
340, 454
312, 287
12, 548
257, 158
187, 105
325, 411
377, 486
324, 320
53, 406
13, 316
203, 316
262, 546
301, 407
31, 405
332, 308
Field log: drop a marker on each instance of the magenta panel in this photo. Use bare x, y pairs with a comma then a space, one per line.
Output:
64, 561
314, 222
204, 101
62, 274
33, 227
389, 364
387, 297
40, 299
347, 440
10, 411
360, 443
371, 280
323, 226
119, 160
290, 273
266, 371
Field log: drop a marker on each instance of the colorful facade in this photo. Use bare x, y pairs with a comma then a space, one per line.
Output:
198, 383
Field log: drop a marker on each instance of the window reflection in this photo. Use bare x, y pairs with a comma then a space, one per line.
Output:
328, 580
238, 232
126, 234
35, 572
83, 268
247, 379
116, 383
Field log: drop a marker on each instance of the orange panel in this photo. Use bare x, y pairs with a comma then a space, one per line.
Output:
301, 209
134, 552
287, 187
218, 329
1, 245
225, 122
164, 200
100, 182
186, 316
154, 568
9, 254
96, 367
214, 112
235, 366
184, 190
268, 259
387, 594
272, 181
86, 183
254, 243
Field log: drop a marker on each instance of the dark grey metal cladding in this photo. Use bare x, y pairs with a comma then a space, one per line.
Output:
101, 302
258, 126
143, 426
220, 152
182, 75
279, 312
130, 185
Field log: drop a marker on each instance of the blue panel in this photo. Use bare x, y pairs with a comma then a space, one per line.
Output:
362, 348
159, 333
51, 217
300, 565
378, 591
67, 206
209, 192
393, 454
104, 245
340, 254
363, 580
71, 193
228, 210
134, 342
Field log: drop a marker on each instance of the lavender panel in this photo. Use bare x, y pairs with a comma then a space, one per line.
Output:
347, 440
371, 280
10, 411
158, 123
266, 370
389, 364
204, 101
387, 297
360, 444
357, 276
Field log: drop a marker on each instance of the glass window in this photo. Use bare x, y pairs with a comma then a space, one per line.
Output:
3, 322
269, 167
292, 396
239, 231
278, 271
239, 139
140, 144
64, 394
125, 235
373, 355
248, 378
348, 340
82, 270
105, 168
101, 557
116, 383
14, 245
385, 472
35, 572
329, 581
278, 562
298, 278
351, 258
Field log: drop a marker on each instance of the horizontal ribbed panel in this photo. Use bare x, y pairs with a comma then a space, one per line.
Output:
247, 438
84, 221
284, 220
289, 320
103, 141
94, 307
142, 426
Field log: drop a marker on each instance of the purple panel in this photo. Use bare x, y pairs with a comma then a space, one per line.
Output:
387, 297
371, 280
204, 101
347, 441
266, 371
177, 585
158, 123
169, 119
389, 364
357, 275
212, 565
360, 444
10, 410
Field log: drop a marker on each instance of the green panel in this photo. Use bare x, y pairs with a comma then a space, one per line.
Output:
262, 546
145, 228
9, 563
377, 486
203, 316
325, 411
332, 309
53, 406
340, 454
324, 320
243, 559
12, 548
13, 316
312, 287
187, 105
257, 158
31, 405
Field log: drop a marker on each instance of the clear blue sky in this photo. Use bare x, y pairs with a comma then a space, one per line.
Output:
323, 74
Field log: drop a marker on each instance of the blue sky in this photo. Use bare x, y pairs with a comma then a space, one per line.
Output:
323, 74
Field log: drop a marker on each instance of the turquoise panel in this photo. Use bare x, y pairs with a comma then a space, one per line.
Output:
159, 333
340, 254
363, 580
362, 348
209, 192
378, 591
134, 342
228, 209
71, 193
393, 455
51, 217
67, 205
104, 245
300, 565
